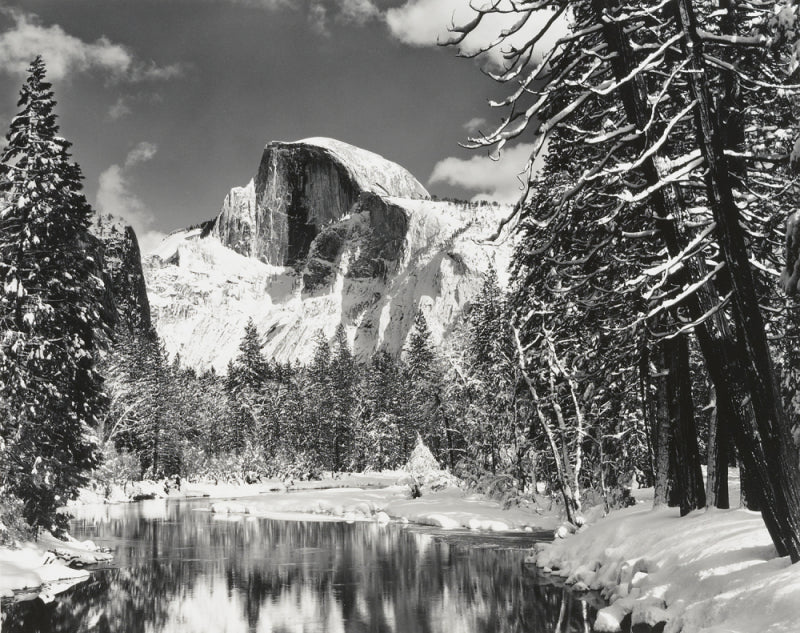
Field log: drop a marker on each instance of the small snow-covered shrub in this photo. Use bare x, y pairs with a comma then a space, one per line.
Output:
421, 462
13, 528
502, 486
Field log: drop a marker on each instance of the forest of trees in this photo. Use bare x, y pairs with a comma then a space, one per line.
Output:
338, 413
644, 332
473, 405
646, 284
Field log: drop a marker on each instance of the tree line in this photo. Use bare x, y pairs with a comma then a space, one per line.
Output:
471, 403
650, 241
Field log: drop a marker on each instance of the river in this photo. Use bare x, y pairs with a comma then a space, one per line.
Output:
180, 569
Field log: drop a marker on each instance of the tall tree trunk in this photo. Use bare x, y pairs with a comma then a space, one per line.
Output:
761, 431
689, 488
662, 439
570, 505
778, 473
718, 455
748, 484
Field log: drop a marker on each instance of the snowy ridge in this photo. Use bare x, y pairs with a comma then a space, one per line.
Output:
371, 171
314, 241
202, 293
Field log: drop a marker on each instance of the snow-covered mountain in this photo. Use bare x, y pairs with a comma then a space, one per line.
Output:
326, 233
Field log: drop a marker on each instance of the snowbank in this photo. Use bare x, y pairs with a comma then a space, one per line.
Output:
40, 569
450, 508
711, 571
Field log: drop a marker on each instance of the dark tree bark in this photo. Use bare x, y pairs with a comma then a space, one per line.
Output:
749, 489
662, 443
689, 491
776, 466
718, 455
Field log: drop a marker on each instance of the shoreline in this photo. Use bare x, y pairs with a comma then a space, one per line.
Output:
39, 570
712, 570
46, 567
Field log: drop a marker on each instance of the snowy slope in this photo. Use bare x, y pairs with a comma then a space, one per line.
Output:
202, 299
713, 571
314, 240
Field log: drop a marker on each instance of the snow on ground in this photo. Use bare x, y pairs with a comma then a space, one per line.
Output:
39, 569
450, 508
712, 571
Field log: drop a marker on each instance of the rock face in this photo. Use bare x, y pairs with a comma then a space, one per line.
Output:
117, 251
299, 188
352, 239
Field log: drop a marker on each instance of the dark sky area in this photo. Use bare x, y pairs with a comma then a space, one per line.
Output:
170, 102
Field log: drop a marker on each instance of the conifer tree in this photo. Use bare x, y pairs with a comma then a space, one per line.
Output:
50, 323
317, 397
343, 380
247, 375
425, 380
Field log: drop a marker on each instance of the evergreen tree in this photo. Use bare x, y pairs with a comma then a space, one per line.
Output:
343, 380
50, 323
384, 399
247, 375
425, 381
317, 396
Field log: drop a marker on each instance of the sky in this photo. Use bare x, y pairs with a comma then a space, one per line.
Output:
169, 103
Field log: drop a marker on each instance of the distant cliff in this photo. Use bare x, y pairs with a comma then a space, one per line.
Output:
325, 233
117, 250
299, 188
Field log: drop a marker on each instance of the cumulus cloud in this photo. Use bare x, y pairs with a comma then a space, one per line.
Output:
428, 22
318, 18
497, 180
474, 125
358, 11
114, 196
65, 54
119, 110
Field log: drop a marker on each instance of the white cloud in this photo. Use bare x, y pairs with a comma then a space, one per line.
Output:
114, 196
474, 125
65, 54
143, 152
358, 11
497, 180
318, 18
429, 22
119, 110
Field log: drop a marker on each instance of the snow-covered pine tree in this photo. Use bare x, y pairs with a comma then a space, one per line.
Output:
343, 381
384, 404
425, 379
247, 376
632, 87
316, 392
50, 323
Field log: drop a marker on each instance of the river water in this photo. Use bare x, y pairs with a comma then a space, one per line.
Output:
178, 569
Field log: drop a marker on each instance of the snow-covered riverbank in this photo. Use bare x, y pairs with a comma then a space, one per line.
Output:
41, 569
450, 508
711, 571
34, 570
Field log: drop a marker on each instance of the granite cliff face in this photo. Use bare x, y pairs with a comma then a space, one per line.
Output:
299, 188
324, 234
116, 249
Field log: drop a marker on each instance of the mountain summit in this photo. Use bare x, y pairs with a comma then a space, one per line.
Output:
325, 233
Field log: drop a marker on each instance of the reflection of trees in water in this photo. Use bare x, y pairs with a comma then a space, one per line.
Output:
259, 575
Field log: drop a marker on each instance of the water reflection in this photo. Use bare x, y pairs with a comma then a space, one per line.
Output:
186, 571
